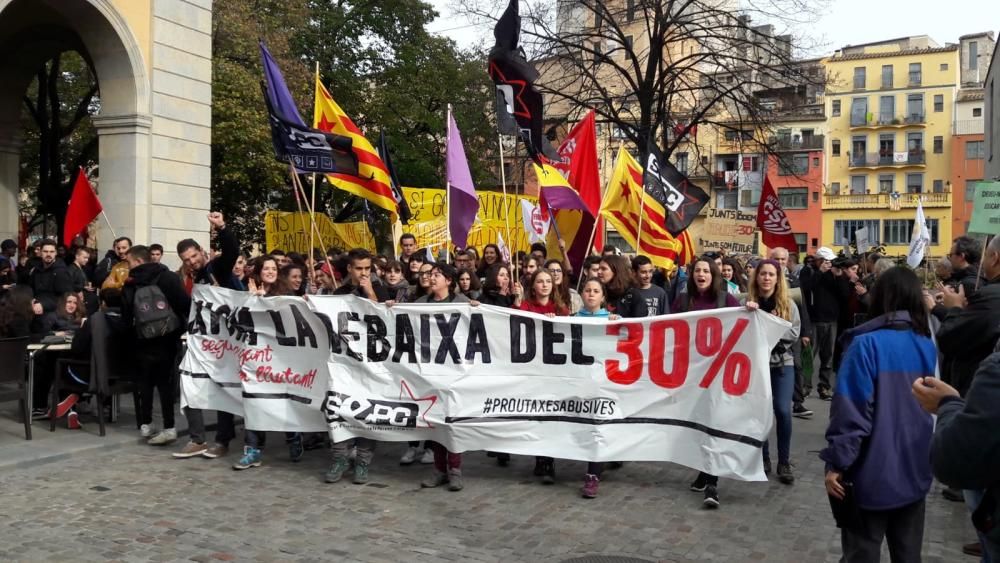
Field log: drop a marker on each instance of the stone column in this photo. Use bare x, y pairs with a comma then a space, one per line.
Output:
10, 159
124, 177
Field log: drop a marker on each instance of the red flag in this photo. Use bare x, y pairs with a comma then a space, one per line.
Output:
83, 208
579, 160
772, 221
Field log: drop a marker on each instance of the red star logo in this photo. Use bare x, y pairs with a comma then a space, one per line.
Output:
324, 125
691, 205
626, 191
432, 399
520, 109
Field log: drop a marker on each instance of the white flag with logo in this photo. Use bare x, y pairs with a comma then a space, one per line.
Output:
920, 239
504, 251
534, 224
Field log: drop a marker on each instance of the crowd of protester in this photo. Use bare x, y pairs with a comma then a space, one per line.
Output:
885, 347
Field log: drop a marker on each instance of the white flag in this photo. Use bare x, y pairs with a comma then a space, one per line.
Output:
534, 225
920, 239
504, 251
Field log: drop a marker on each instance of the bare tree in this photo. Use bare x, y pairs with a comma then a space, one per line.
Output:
655, 69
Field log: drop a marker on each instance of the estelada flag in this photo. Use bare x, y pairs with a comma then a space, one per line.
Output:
578, 154
621, 209
372, 181
772, 221
83, 208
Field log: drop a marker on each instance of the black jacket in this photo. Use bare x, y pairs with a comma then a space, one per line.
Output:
168, 282
494, 298
827, 294
967, 278
220, 270
49, 284
381, 294
103, 268
967, 336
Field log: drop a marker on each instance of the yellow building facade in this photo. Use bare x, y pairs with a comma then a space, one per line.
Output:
889, 108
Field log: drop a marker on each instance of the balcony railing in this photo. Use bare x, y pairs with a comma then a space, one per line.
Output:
814, 143
888, 120
875, 159
884, 200
968, 127
719, 180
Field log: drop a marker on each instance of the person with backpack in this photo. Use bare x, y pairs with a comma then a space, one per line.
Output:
153, 299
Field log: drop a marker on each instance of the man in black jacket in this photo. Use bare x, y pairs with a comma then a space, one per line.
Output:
50, 280
826, 298
964, 257
155, 357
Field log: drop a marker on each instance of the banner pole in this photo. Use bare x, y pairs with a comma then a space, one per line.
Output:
301, 192
108, 221
638, 233
590, 251
447, 188
312, 206
503, 182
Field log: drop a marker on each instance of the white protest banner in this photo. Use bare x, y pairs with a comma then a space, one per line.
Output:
861, 239
692, 388
730, 230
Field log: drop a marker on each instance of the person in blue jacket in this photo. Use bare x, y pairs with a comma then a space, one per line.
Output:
879, 438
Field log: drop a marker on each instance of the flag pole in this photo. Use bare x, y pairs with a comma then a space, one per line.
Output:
590, 251
503, 182
108, 221
301, 192
447, 187
312, 206
638, 233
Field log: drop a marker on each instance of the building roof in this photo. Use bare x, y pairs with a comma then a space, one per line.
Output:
974, 35
904, 53
970, 95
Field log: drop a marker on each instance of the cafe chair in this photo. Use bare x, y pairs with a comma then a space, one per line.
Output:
13, 352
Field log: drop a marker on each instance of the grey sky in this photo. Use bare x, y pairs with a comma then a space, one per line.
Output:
847, 21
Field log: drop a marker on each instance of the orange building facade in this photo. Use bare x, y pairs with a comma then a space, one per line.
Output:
797, 176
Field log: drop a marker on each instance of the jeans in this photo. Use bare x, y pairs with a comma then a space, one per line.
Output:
258, 438
902, 528
445, 460
826, 342
225, 430
365, 447
782, 385
972, 500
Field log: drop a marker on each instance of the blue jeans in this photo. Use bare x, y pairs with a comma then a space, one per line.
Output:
782, 386
972, 499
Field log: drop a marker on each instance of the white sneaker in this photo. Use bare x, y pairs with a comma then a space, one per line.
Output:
428, 457
163, 438
410, 456
147, 430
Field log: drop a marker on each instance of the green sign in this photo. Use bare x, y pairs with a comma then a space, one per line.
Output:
986, 209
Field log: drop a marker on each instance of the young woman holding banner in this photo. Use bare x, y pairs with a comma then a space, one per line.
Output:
705, 290
769, 293
498, 290
267, 283
560, 278
615, 273
541, 297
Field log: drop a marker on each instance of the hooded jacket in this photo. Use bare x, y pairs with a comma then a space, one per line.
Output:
168, 282
50, 283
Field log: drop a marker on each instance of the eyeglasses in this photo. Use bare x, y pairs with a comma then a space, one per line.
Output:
555, 270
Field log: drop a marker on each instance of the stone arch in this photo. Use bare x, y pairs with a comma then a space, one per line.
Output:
31, 31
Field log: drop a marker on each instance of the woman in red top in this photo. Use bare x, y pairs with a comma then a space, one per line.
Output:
541, 297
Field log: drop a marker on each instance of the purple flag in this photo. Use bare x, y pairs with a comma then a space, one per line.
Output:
463, 205
277, 91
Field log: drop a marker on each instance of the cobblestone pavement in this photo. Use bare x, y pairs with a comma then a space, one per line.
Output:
137, 503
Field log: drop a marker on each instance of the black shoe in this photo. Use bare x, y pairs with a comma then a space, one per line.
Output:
615, 465
825, 395
799, 411
503, 459
699, 484
711, 497
974, 549
767, 466
953, 495
549, 477
785, 473
539, 468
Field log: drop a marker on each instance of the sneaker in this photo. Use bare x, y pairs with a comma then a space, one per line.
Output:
503, 459
63, 407
767, 466
217, 450
699, 484
428, 457
455, 479
825, 395
954, 495
295, 449
39, 414
590, 483
549, 477
435, 480
164, 437
711, 497
974, 549
251, 458
785, 473
337, 470
360, 473
73, 421
191, 450
409, 456
800, 411
147, 430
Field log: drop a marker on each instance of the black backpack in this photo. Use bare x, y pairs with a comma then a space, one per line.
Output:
152, 313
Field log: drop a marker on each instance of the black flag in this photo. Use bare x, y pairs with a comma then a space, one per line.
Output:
397, 188
519, 104
681, 200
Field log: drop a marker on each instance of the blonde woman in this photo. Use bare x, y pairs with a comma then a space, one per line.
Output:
769, 292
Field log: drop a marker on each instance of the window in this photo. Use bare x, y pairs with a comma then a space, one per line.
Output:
975, 150
938, 186
815, 162
938, 103
886, 109
800, 241
970, 189
859, 148
915, 76
815, 197
899, 231
887, 76
859, 78
835, 108
797, 166
914, 183
915, 142
598, 20
915, 108
727, 199
886, 147
944, 66
977, 112
859, 111
630, 10
681, 162
597, 53
859, 184
835, 147
938, 145
793, 198
704, 160
886, 183
628, 42
973, 55
843, 230
835, 188
732, 135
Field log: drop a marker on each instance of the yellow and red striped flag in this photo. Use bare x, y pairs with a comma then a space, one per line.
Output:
372, 182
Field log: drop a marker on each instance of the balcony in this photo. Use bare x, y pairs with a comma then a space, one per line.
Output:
968, 127
879, 160
882, 121
719, 180
814, 143
882, 201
